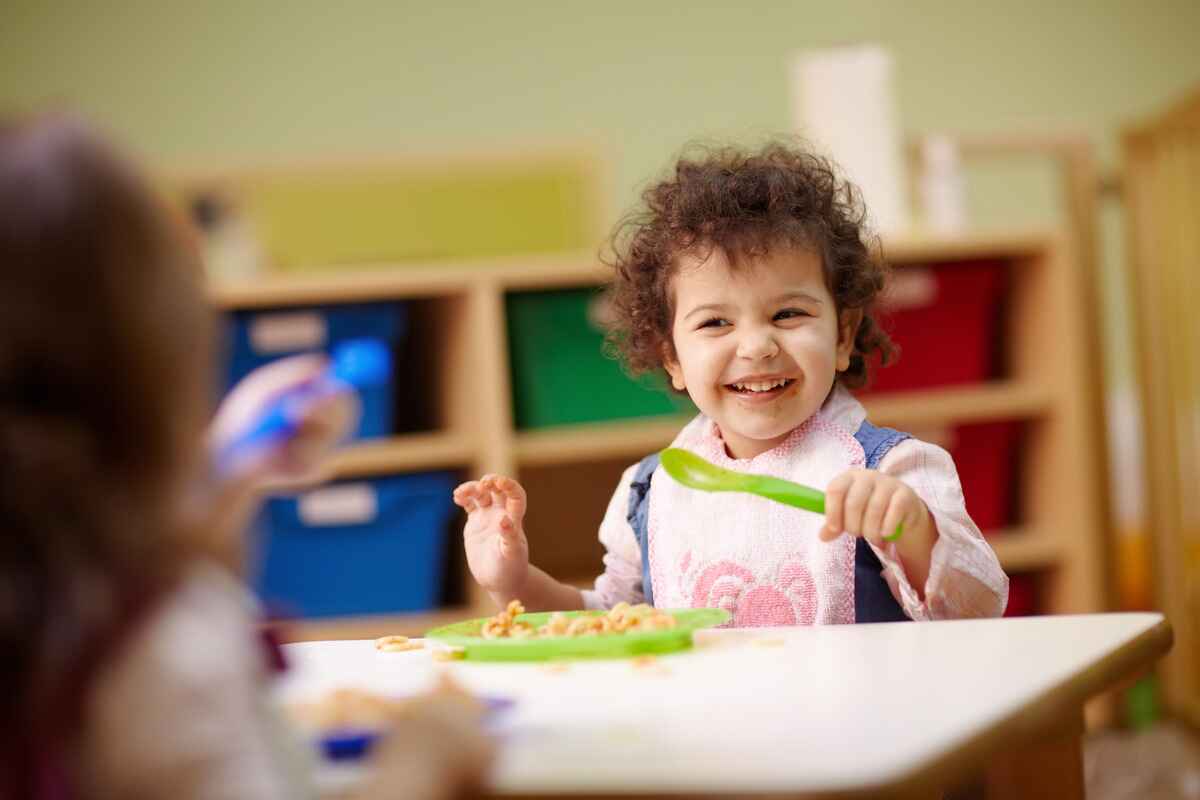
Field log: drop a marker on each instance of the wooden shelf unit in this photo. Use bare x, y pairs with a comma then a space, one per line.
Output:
458, 312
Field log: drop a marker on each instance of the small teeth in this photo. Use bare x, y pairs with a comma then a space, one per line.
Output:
760, 386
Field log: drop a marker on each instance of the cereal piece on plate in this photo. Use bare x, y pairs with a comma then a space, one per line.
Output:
556, 625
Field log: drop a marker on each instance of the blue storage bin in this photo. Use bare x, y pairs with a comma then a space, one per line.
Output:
358, 547
259, 337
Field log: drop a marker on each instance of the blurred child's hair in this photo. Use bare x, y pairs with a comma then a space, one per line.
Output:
743, 203
104, 346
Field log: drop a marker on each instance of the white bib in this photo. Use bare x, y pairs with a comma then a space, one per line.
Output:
760, 560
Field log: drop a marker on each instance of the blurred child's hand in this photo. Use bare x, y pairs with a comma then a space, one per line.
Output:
321, 422
870, 504
435, 750
497, 551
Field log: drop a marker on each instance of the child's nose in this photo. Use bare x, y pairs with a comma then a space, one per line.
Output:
757, 344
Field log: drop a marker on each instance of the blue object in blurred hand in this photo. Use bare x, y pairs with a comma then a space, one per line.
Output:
352, 744
354, 365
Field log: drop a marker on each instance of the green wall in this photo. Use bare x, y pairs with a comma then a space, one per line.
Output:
184, 81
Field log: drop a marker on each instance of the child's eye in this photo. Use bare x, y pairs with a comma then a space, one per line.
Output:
792, 313
715, 322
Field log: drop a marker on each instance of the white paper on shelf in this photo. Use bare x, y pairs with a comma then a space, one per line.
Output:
843, 103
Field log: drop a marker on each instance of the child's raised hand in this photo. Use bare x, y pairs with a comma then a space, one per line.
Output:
497, 551
321, 421
870, 504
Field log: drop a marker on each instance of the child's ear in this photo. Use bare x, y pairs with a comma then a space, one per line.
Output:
671, 365
848, 322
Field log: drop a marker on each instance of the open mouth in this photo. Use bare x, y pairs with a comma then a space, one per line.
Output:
760, 388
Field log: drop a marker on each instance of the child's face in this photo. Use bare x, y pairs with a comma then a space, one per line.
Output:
759, 347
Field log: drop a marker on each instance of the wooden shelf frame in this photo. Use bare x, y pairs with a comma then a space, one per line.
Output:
404, 453
461, 310
634, 438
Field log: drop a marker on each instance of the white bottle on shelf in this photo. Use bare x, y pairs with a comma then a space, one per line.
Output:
231, 250
941, 186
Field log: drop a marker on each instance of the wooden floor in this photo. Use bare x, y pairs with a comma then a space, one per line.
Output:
1161, 763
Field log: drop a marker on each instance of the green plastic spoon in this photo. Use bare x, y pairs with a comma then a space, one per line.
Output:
694, 472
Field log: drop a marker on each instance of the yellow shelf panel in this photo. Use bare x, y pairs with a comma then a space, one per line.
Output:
366, 282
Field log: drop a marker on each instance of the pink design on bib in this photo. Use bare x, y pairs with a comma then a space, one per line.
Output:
791, 601
721, 585
764, 606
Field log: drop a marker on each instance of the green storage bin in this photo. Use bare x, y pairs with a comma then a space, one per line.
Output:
560, 372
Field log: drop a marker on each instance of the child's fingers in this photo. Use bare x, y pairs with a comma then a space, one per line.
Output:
897, 513
857, 498
512, 496
488, 494
464, 495
258, 390
329, 419
835, 500
877, 508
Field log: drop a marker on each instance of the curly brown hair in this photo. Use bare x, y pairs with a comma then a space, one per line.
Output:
743, 203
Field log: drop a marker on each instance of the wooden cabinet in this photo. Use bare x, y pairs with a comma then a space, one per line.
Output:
1162, 195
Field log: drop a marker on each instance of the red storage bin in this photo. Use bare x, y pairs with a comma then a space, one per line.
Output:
1022, 595
945, 320
986, 457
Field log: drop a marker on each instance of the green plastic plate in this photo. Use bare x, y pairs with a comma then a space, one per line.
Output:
611, 645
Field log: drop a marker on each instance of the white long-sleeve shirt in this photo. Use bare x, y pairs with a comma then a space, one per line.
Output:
183, 711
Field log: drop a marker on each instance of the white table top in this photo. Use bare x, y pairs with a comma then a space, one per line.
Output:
823, 709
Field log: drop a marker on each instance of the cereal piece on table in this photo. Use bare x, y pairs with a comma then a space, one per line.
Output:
396, 644
555, 667
385, 641
649, 665
758, 642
